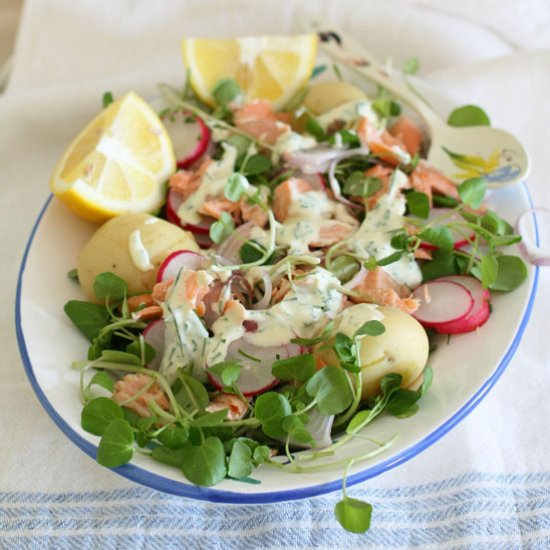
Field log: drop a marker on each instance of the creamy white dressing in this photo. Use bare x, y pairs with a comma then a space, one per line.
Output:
226, 329
374, 234
213, 183
292, 141
138, 252
349, 112
313, 300
306, 215
185, 336
353, 317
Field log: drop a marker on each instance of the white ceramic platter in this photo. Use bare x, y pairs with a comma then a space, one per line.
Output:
465, 370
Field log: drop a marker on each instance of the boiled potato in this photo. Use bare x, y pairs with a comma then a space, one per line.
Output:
111, 249
403, 348
324, 96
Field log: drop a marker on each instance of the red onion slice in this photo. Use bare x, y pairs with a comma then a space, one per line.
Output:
228, 251
335, 187
531, 252
264, 301
318, 160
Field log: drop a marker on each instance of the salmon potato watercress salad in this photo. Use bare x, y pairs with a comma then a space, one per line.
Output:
273, 260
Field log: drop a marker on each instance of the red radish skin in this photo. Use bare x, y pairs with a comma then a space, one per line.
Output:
190, 139
181, 259
442, 302
154, 336
255, 377
479, 313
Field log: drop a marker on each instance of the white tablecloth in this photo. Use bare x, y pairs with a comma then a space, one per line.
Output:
484, 485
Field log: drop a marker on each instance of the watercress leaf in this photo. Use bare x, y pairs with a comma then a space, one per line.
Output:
317, 70
315, 129
331, 389
297, 432
495, 224
227, 371
102, 379
402, 402
131, 416
505, 240
359, 185
353, 515
411, 66
241, 143
209, 419
98, 414
107, 99
418, 204
489, 270
222, 228
370, 328
172, 457
512, 272
192, 395
108, 286
116, 356
88, 318
116, 446
298, 368
442, 263
261, 454
240, 461
204, 464
235, 187
468, 115
174, 437
73, 274
225, 91
251, 251
359, 420
134, 348
270, 409
439, 235
345, 137
345, 267
472, 191
344, 347
314, 341
444, 202
387, 260
257, 164
400, 241
390, 383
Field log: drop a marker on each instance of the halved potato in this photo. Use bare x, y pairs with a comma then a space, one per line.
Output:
403, 348
131, 246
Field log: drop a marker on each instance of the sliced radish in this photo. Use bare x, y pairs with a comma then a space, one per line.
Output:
255, 376
190, 136
442, 302
459, 240
154, 336
173, 202
181, 259
479, 313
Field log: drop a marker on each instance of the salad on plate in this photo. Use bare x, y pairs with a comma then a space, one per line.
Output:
275, 263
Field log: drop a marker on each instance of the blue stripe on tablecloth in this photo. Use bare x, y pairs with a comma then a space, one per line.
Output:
475, 510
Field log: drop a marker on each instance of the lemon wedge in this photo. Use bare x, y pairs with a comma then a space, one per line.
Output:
117, 164
265, 67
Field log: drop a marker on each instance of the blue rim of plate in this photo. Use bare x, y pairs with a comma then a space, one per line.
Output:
160, 483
